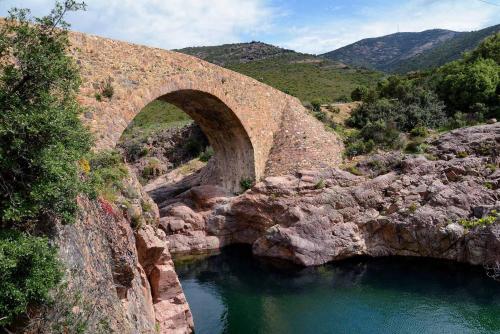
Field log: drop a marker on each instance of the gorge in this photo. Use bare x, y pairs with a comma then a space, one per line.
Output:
244, 188
303, 207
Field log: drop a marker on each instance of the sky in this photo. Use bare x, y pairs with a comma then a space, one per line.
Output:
311, 26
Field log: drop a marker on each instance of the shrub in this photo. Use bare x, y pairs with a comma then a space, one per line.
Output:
471, 84
41, 136
406, 109
107, 171
193, 147
316, 105
358, 147
488, 49
320, 184
359, 93
29, 269
152, 169
383, 134
457, 121
321, 116
354, 170
343, 99
246, 183
333, 109
419, 132
378, 134
416, 146
207, 154
491, 167
412, 208
146, 206
107, 89
462, 84
480, 222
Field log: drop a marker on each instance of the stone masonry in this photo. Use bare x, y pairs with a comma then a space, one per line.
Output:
256, 131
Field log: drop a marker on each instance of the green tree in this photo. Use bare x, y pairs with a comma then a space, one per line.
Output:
463, 84
359, 93
471, 84
41, 136
28, 271
400, 102
488, 49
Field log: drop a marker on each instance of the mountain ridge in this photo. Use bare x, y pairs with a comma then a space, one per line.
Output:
410, 51
240, 53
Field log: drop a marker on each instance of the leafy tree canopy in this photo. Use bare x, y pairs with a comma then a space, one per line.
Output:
41, 136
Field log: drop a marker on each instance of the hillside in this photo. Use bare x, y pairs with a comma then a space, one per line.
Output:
311, 79
305, 76
445, 52
382, 53
225, 54
410, 51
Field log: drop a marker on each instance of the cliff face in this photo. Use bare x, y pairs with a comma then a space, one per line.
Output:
117, 280
102, 266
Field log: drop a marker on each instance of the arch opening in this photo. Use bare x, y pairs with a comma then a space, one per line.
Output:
233, 152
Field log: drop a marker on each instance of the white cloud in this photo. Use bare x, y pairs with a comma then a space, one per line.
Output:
165, 23
180, 23
414, 15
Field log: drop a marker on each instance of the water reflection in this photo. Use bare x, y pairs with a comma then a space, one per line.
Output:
236, 293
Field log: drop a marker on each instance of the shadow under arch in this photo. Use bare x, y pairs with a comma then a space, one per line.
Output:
233, 158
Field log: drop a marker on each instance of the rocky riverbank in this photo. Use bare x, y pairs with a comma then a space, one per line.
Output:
397, 204
120, 275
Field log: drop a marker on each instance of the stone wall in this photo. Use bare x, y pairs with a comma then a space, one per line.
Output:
243, 119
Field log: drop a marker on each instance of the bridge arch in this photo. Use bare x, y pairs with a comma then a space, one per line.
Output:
234, 158
256, 130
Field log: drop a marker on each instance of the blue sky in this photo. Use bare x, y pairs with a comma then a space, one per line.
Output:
313, 26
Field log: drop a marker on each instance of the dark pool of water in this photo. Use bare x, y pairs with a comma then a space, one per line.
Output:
235, 292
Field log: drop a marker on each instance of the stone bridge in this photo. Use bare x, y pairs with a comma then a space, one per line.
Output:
255, 130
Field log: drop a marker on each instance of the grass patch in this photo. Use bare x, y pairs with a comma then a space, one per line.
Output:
107, 171
480, 222
191, 167
157, 115
354, 170
323, 81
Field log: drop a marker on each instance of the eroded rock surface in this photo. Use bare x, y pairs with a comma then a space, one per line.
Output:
171, 310
402, 205
119, 272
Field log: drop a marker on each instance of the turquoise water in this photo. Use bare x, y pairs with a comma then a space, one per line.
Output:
236, 293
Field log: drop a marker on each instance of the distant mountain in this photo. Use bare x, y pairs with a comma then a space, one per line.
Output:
305, 76
226, 54
410, 51
447, 51
382, 53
